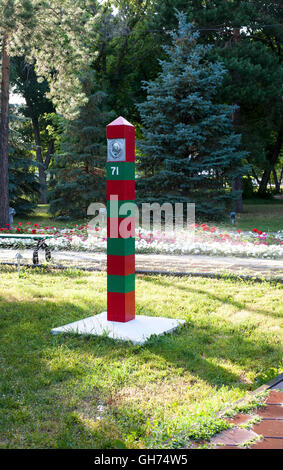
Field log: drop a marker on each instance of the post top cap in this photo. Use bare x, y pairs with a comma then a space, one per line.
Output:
120, 121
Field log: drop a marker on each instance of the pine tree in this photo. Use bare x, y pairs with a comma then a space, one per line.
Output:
189, 152
80, 166
23, 181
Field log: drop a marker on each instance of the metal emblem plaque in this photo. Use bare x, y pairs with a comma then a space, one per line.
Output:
116, 150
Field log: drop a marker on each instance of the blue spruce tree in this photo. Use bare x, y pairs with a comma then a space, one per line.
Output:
189, 152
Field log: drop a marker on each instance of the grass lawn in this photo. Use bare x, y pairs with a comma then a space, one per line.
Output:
266, 216
42, 217
87, 392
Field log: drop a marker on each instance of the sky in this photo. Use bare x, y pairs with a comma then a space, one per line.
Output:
16, 99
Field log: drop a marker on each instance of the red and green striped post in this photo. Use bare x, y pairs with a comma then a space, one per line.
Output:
120, 232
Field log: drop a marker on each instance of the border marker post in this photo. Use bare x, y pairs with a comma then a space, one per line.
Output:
120, 322
120, 240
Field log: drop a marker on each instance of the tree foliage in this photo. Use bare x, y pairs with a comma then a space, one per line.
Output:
78, 57
79, 168
248, 40
189, 152
23, 181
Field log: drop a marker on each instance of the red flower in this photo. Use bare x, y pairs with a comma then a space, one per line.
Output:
254, 230
20, 223
259, 232
239, 231
33, 230
28, 223
212, 229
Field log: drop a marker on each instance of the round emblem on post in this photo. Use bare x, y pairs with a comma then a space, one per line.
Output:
116, 150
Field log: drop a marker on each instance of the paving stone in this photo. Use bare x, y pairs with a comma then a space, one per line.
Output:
268, 444
226, 447
278, 386
234, 436
240, 419
269, 428
271, 411
275, 398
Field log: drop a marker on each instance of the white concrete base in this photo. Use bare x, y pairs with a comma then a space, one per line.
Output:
138, 330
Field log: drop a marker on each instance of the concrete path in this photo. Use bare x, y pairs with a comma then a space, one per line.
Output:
159, 263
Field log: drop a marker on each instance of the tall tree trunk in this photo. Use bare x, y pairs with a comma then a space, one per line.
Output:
48, 155
39, 159
264, 181
237, 182
276, 181
273, 159
4, 136
255, 175
237, 188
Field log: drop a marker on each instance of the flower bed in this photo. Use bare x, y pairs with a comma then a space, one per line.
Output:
198, 239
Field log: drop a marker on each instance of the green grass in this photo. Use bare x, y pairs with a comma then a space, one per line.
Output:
266, 216
42, 217
89, 392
